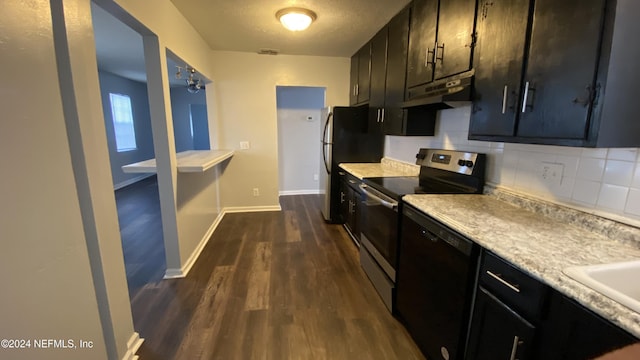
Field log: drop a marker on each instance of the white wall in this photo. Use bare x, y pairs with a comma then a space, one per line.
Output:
49, 286
602, 181
245, 92
299, 130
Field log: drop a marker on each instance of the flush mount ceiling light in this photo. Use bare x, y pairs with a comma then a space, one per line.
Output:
296, 19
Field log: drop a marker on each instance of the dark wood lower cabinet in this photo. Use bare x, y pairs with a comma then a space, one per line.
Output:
498, 332
528, 320
575, 333
344, 202
350, 198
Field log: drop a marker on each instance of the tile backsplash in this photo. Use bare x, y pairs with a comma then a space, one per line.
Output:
601, 181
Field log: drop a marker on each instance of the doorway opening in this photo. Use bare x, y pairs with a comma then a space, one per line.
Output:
299, 133
125, 101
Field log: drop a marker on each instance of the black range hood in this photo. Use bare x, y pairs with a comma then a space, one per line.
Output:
454, 91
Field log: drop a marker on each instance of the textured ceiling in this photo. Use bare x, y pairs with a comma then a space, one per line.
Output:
342, 27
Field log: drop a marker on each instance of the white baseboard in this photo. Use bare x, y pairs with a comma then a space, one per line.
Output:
173, 273
120, 185
182, 272
133, 345
239, 209
300, 192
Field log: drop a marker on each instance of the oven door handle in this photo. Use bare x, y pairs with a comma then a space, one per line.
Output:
391, 204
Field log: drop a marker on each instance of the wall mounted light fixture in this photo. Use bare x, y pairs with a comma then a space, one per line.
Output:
193, 85
296, 19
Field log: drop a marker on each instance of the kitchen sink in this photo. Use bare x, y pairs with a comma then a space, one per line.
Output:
618, 281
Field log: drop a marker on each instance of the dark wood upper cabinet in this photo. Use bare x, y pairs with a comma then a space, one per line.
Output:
557, 73
455, 38
561, 68
378, 79
440, 40
389, 48
422, 42
353, 95
394, 117
498, 61
360, 75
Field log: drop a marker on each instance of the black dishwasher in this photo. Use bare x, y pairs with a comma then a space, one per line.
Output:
437, 270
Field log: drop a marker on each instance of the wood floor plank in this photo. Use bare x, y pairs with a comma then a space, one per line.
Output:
204, 326
259, 279
292, 230
256, 294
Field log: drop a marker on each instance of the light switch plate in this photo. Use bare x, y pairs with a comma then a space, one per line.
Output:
244, 145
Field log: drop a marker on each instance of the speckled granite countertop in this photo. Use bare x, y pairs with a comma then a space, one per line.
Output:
385, 168
540, 245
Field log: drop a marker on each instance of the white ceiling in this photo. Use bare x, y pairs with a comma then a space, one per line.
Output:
341, 28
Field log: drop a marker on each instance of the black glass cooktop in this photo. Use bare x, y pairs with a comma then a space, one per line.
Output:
396, 187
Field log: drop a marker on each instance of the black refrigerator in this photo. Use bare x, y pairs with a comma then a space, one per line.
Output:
345, 138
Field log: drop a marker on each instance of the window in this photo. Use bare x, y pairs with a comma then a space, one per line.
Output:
123, 122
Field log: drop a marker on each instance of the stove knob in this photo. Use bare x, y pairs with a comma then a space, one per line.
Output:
469, 163
461, 162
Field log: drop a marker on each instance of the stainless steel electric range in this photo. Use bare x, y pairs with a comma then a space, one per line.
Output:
441, 172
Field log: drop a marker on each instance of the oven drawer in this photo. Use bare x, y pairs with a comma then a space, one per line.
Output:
514, 287
378, 278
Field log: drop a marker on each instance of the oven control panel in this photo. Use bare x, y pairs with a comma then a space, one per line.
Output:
455, 161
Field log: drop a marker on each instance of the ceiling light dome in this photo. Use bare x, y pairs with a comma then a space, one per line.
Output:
296, 19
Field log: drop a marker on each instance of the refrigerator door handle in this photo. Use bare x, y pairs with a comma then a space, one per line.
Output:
324, 157
325, 143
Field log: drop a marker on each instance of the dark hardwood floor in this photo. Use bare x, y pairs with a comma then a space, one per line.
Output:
271, 285
141, 232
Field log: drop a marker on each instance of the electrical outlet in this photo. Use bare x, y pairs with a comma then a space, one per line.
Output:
244, 145
256, 192
551, 173
315, 177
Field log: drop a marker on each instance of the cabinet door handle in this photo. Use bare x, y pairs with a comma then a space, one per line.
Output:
378, 116
587, 99
341, 197
430, 54
514, 348
504, 99
502, 281
526, 95
382, 117
357, 89
435, 56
